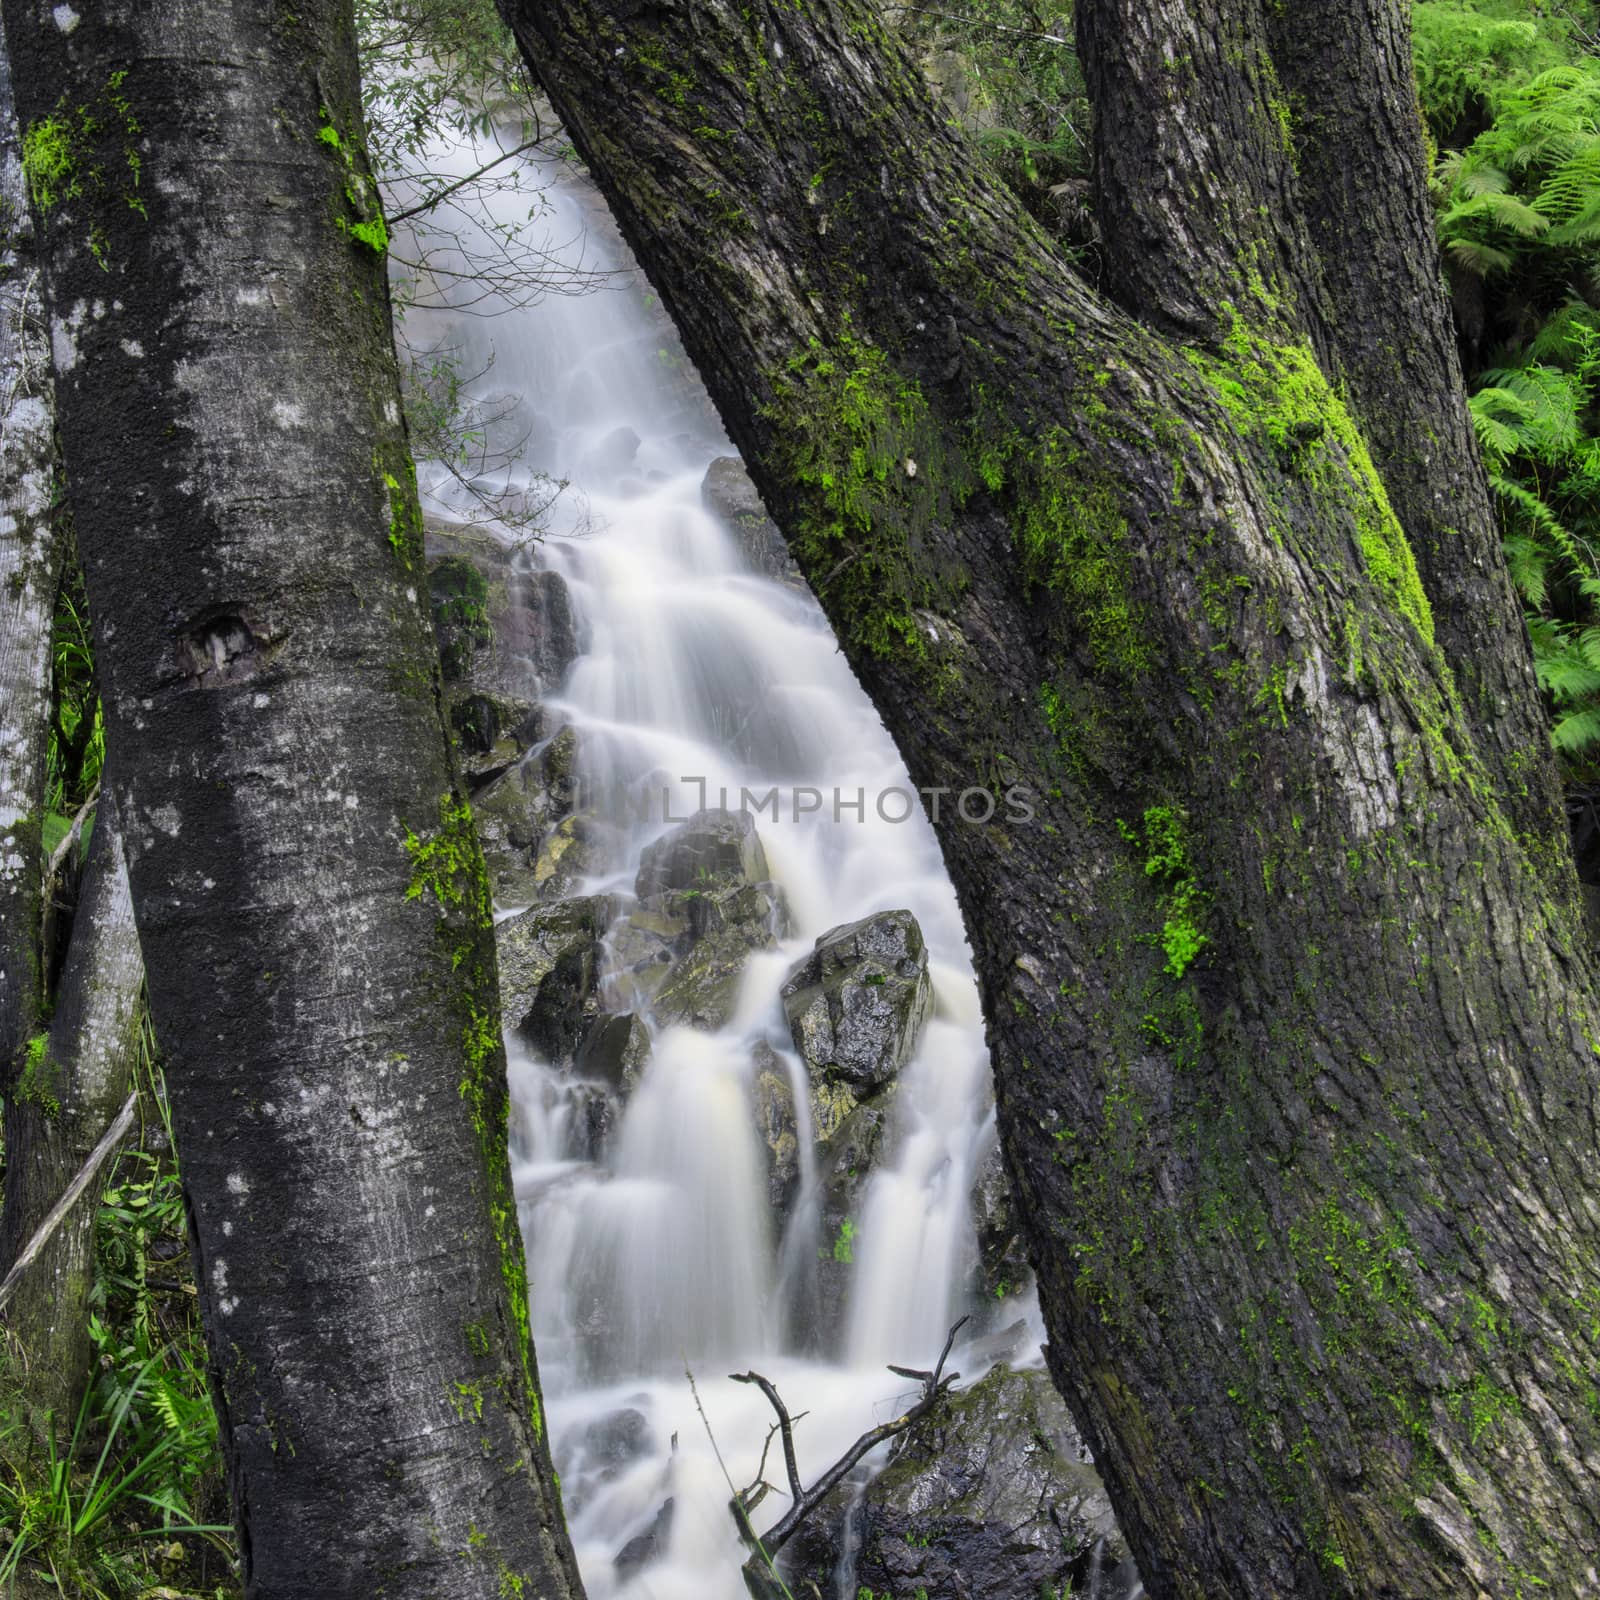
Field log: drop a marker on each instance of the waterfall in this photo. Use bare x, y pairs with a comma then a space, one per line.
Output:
700, 677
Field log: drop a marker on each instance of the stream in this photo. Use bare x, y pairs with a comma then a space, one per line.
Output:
701, 681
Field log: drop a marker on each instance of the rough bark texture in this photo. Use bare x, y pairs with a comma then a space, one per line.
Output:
30, 563
1270, 159
309, 892
1292, 1039
75, 1080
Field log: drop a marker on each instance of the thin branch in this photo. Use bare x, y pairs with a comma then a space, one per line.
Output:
806, 1501
461, 183
74, 1192
785, 1427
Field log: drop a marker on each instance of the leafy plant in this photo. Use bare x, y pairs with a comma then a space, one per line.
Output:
1519, 221
131, 1503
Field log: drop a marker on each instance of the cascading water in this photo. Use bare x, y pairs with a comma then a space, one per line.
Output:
701, 678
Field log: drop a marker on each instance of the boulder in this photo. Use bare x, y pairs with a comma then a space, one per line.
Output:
550, 958
772, 1099
705, 903
577, 847
712, 844
990, 1497
724, 924
730, 496
616, 1052
491, 732
855, 1007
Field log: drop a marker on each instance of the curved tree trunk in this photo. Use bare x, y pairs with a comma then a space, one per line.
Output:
1294, 1046
309, 893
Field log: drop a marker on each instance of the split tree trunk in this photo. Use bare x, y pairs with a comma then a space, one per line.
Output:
1294, 1044
309, 893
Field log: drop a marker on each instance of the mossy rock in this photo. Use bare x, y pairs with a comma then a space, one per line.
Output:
550, 964
993, 1494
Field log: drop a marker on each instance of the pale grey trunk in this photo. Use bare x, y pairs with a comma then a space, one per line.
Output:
78, 1081
29, 568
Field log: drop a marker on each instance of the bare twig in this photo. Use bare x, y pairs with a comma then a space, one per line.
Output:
428, 202
59, 1212
806, 1501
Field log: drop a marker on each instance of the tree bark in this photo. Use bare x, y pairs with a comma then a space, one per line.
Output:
30, 568
1291, 1033
71, 1089
307, 884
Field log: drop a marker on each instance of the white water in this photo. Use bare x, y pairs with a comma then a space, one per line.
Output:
666, 1258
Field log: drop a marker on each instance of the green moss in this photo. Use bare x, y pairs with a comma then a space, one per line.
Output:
1278, 391
40, 1082
871, 466
448, 868
1163, 836
50, 162
1073, 540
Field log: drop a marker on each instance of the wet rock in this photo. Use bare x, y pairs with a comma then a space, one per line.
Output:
845, 1164
504, 627
596, 1111
615, 452
576, 848
855, 1007
705, 905
712, 844
618, 1438
646, 1547
1001, 1269
991, 1496
723, 925
550, 959
616, 1051
491, 732
729, 495
772, 1099
516, 811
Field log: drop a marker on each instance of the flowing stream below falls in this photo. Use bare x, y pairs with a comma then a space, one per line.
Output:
657, 1251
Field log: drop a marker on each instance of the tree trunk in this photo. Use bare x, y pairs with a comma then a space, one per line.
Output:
72, 1086
308, 888
1291, 1033
30, 568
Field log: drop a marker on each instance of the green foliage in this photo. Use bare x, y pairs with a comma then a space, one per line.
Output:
1009, 73
130, 1503
844, 1245
1469, 55
1520, 225
1163, 836
49, 162
77, 745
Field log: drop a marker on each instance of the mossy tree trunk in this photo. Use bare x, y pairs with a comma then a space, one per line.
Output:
307, 885
1294, 1043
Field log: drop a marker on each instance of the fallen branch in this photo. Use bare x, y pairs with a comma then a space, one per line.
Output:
59, 1212
760, 1572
